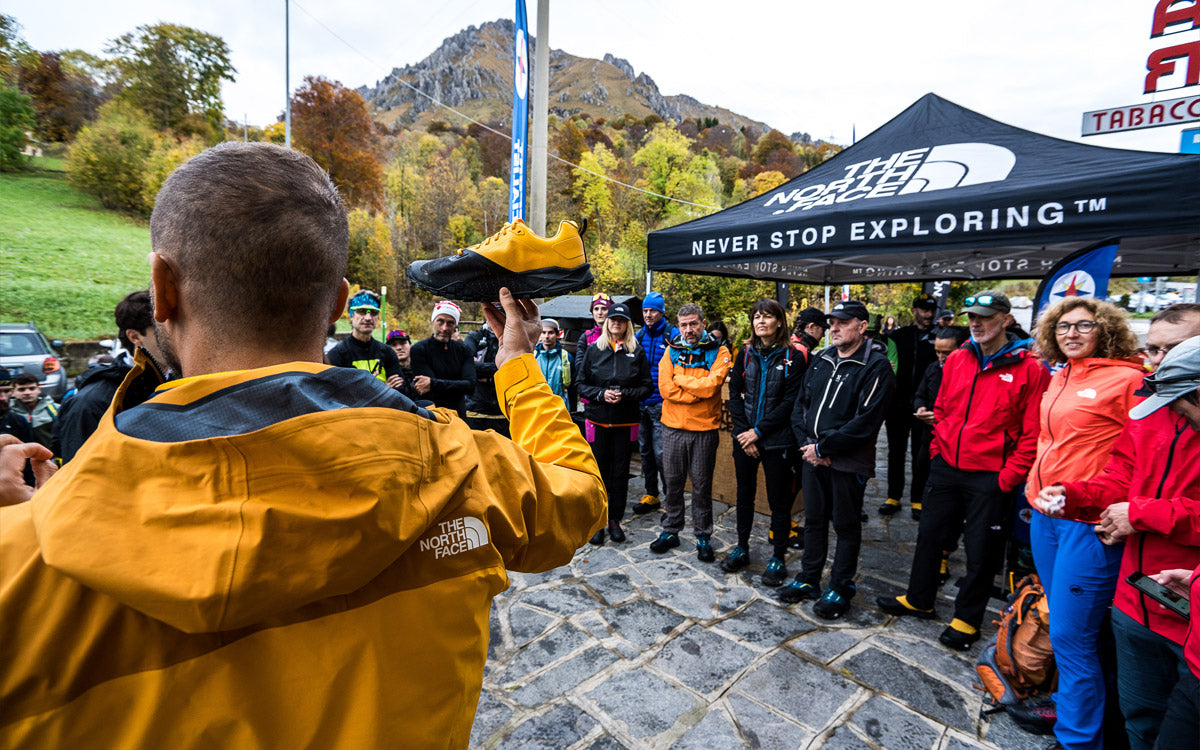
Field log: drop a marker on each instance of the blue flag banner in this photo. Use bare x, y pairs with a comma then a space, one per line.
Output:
520, 117
1083, 273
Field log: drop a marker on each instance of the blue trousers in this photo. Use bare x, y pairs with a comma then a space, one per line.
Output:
1079, 574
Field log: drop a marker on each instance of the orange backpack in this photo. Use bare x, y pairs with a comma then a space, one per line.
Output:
1019, 660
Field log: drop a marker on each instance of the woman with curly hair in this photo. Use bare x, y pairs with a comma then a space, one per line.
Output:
1082, 414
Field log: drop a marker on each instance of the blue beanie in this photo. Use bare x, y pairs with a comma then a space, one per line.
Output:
654, 301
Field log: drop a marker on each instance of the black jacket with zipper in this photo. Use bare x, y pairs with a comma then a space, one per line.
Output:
762, 394
842, 403
602, 369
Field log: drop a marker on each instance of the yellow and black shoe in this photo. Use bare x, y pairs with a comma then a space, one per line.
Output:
944, 570
959, 636
899, 606
795, 536
514, 257
916, 511
890, 507
648, 504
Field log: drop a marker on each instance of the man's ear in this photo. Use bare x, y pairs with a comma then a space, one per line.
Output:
340, 304
135, 337
164, 287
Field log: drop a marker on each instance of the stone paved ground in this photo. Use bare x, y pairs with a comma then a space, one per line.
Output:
626, 648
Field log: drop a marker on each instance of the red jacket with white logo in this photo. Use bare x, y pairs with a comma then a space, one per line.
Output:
1082, 414
986, 413
1155, 465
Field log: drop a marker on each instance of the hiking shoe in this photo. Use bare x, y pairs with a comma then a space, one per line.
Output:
597, 538
514, 257
833, 604
890, 507
959, 635
665, 541
704, 550
737, 559
1035, 718
775, 574
615, 533
899, 606
944, 570
648, 504
797, 591
916, 511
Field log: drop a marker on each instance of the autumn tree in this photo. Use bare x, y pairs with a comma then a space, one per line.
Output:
62, 100
174, 74
331, 124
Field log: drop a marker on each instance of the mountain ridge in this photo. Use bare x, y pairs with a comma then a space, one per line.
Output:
471, 71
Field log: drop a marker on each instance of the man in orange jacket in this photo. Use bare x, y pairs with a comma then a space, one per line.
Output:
272, 552
690, 377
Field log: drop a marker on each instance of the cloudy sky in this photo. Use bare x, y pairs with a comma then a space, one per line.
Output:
821, 68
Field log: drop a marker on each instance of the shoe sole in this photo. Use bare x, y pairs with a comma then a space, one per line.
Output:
542, 282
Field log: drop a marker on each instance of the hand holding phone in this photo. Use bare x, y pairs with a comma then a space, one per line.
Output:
1160, 593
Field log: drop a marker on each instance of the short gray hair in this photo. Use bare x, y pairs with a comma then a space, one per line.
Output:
690, 308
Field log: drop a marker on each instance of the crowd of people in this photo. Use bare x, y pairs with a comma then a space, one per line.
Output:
227, 500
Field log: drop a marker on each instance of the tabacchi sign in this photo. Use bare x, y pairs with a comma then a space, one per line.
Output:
1171, 17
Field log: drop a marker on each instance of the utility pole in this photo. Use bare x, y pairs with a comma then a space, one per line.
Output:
287, 76
540, 121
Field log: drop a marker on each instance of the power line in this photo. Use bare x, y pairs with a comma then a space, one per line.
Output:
490, 129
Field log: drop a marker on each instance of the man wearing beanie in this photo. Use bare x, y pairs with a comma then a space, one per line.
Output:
444, 368
360, 349
653, 339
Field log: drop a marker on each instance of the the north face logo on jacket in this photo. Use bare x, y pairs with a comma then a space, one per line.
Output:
456, 536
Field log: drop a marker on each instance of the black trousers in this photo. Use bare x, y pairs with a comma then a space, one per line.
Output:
975, 498
837, 496
612, 449
777, 473
1181, 725
900, 432
922, 437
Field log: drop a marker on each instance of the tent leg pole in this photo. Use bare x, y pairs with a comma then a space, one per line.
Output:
648, 280
826, 298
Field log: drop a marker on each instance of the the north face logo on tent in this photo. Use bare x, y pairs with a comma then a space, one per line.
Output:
453, 537
919, 170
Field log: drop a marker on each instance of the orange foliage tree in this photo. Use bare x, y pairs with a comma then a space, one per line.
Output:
331, 124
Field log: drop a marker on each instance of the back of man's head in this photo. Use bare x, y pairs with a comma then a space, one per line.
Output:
257, 237
134, 312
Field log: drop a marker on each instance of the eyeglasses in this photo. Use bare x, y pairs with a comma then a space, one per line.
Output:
1154, 351
1082, 326
985, 300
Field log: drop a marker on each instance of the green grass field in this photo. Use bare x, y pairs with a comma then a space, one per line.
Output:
65, 261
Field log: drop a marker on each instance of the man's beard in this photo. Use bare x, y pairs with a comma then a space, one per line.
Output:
167, 347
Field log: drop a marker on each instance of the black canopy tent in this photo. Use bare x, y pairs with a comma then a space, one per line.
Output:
941, 192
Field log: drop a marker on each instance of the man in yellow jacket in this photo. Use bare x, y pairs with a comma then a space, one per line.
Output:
690, 377
270, 552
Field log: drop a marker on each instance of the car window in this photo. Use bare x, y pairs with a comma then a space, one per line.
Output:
20, 345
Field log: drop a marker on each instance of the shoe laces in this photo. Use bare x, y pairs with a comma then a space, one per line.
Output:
703, 542
504, 230
774, 564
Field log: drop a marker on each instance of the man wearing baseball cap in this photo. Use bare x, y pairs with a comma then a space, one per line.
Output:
401, 343
360, 349
444, 368
653, 340
810, 329
1154, 470
984, 441
843, 400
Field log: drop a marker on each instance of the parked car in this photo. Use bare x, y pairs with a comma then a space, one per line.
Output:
23, 348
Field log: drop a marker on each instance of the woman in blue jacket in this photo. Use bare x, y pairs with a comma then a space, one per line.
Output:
763, 386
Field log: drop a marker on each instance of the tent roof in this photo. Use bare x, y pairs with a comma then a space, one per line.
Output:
941, 192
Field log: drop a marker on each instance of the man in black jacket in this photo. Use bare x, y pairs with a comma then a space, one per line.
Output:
914, 353
80, 415
845, 395
361, 350
444, 368
483, 408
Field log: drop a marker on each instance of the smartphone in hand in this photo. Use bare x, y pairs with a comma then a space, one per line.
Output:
1160, 593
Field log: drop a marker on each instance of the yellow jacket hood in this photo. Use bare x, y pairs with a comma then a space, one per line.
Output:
263, 509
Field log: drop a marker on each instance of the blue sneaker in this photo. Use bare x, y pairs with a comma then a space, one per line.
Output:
797, 591
737, 559
833, 604
704, 550
665, 541
775, 573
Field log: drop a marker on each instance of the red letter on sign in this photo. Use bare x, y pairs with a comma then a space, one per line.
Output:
1163, 17
1162, 62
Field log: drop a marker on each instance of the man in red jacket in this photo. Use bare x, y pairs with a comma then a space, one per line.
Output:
1155, 467
984, 441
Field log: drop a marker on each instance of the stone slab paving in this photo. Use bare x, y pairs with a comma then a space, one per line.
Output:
623, 648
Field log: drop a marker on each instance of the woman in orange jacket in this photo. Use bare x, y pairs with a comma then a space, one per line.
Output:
1082, 414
